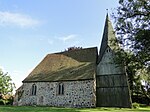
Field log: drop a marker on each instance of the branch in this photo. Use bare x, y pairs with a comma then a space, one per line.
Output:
139, 14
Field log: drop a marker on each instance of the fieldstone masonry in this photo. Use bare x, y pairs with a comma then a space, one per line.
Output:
76, 94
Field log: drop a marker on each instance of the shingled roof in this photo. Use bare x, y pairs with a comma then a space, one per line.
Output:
65, 66
108, 37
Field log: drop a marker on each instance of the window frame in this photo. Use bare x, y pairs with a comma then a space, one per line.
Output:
33, 90
60, 89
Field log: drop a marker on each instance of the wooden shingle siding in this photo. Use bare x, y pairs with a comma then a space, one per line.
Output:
112, 91
111, 81
113, 97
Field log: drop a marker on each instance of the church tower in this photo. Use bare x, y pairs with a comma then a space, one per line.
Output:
111, 80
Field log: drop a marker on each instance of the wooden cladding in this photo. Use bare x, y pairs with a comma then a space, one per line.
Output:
112, 91
111, 81
113, 97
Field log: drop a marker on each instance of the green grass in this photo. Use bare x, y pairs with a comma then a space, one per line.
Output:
54, 109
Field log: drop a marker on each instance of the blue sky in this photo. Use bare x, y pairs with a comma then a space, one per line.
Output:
31, 29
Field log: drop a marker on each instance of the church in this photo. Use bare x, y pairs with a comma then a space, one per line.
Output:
78, 78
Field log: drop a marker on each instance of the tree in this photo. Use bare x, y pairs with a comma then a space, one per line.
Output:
6, 87
133, 29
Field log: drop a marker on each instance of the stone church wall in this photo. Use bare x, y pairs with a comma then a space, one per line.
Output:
76, 94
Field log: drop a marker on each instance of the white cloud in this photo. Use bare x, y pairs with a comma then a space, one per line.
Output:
50, 42
67, 38
8, 18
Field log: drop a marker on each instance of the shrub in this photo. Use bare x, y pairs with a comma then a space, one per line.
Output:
135, 105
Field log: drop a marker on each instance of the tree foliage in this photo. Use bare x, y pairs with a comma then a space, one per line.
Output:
133, 28
6, 86
132, 20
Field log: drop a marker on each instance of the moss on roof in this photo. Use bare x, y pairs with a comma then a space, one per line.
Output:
70, 65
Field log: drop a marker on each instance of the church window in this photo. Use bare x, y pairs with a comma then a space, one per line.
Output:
33, 90
60, 89
108, 50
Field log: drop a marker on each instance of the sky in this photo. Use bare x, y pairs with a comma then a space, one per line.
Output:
31, 29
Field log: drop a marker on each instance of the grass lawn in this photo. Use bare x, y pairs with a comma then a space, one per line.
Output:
54, 109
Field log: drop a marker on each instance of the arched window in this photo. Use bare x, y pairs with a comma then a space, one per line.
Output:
60, 89
108, 50
33, 90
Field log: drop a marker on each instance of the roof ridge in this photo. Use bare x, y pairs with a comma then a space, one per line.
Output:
61, 52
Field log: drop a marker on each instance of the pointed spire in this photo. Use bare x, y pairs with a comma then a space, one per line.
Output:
108, 36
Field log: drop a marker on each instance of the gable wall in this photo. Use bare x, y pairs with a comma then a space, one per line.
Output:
76, 94
107, 66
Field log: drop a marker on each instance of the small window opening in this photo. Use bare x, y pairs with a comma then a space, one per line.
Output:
108, 50
34, 88
60, 89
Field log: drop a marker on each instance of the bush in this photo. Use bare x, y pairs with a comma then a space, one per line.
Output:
135, 105
6, 100
1, 102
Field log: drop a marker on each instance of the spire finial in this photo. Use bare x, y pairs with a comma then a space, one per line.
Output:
107, 11
107, 14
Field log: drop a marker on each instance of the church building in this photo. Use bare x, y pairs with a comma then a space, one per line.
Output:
78, 78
